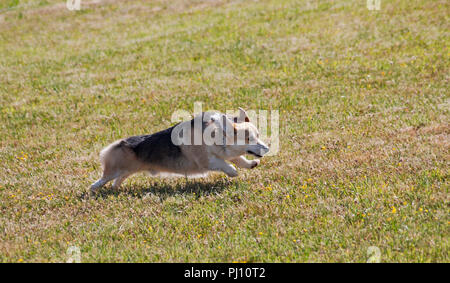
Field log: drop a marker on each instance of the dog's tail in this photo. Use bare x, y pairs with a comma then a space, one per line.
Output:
118, 156
107, 152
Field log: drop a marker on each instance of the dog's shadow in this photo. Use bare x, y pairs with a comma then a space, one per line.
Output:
163, 190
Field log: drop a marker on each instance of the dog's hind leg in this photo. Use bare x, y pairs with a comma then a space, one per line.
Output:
103, 180
111, 158
120, 180
100, 183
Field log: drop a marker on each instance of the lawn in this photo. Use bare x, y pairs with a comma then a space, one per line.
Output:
363, 99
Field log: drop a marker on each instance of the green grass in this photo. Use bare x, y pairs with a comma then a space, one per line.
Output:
364, 131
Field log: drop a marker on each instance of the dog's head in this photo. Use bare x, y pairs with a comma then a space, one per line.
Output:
242, 137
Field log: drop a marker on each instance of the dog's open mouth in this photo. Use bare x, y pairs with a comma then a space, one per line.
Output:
252, 153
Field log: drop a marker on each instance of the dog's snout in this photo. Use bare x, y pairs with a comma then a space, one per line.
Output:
263, 148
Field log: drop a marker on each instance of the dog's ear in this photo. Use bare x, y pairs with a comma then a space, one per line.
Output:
243, 117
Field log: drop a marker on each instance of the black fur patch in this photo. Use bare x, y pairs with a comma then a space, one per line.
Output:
155, 148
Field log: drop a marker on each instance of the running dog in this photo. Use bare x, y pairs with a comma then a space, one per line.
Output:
193, 147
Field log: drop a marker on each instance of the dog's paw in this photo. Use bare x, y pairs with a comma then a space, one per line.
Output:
254, 163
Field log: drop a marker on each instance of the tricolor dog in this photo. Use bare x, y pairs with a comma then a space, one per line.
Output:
206, 143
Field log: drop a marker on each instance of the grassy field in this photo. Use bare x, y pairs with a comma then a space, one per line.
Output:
364, 129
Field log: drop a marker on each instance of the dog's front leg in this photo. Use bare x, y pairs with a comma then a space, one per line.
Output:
243, 162
217, 164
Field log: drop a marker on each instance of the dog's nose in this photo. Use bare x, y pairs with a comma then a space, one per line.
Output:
264, 148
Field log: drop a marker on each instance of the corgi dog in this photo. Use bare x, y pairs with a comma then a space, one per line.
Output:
206, 143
